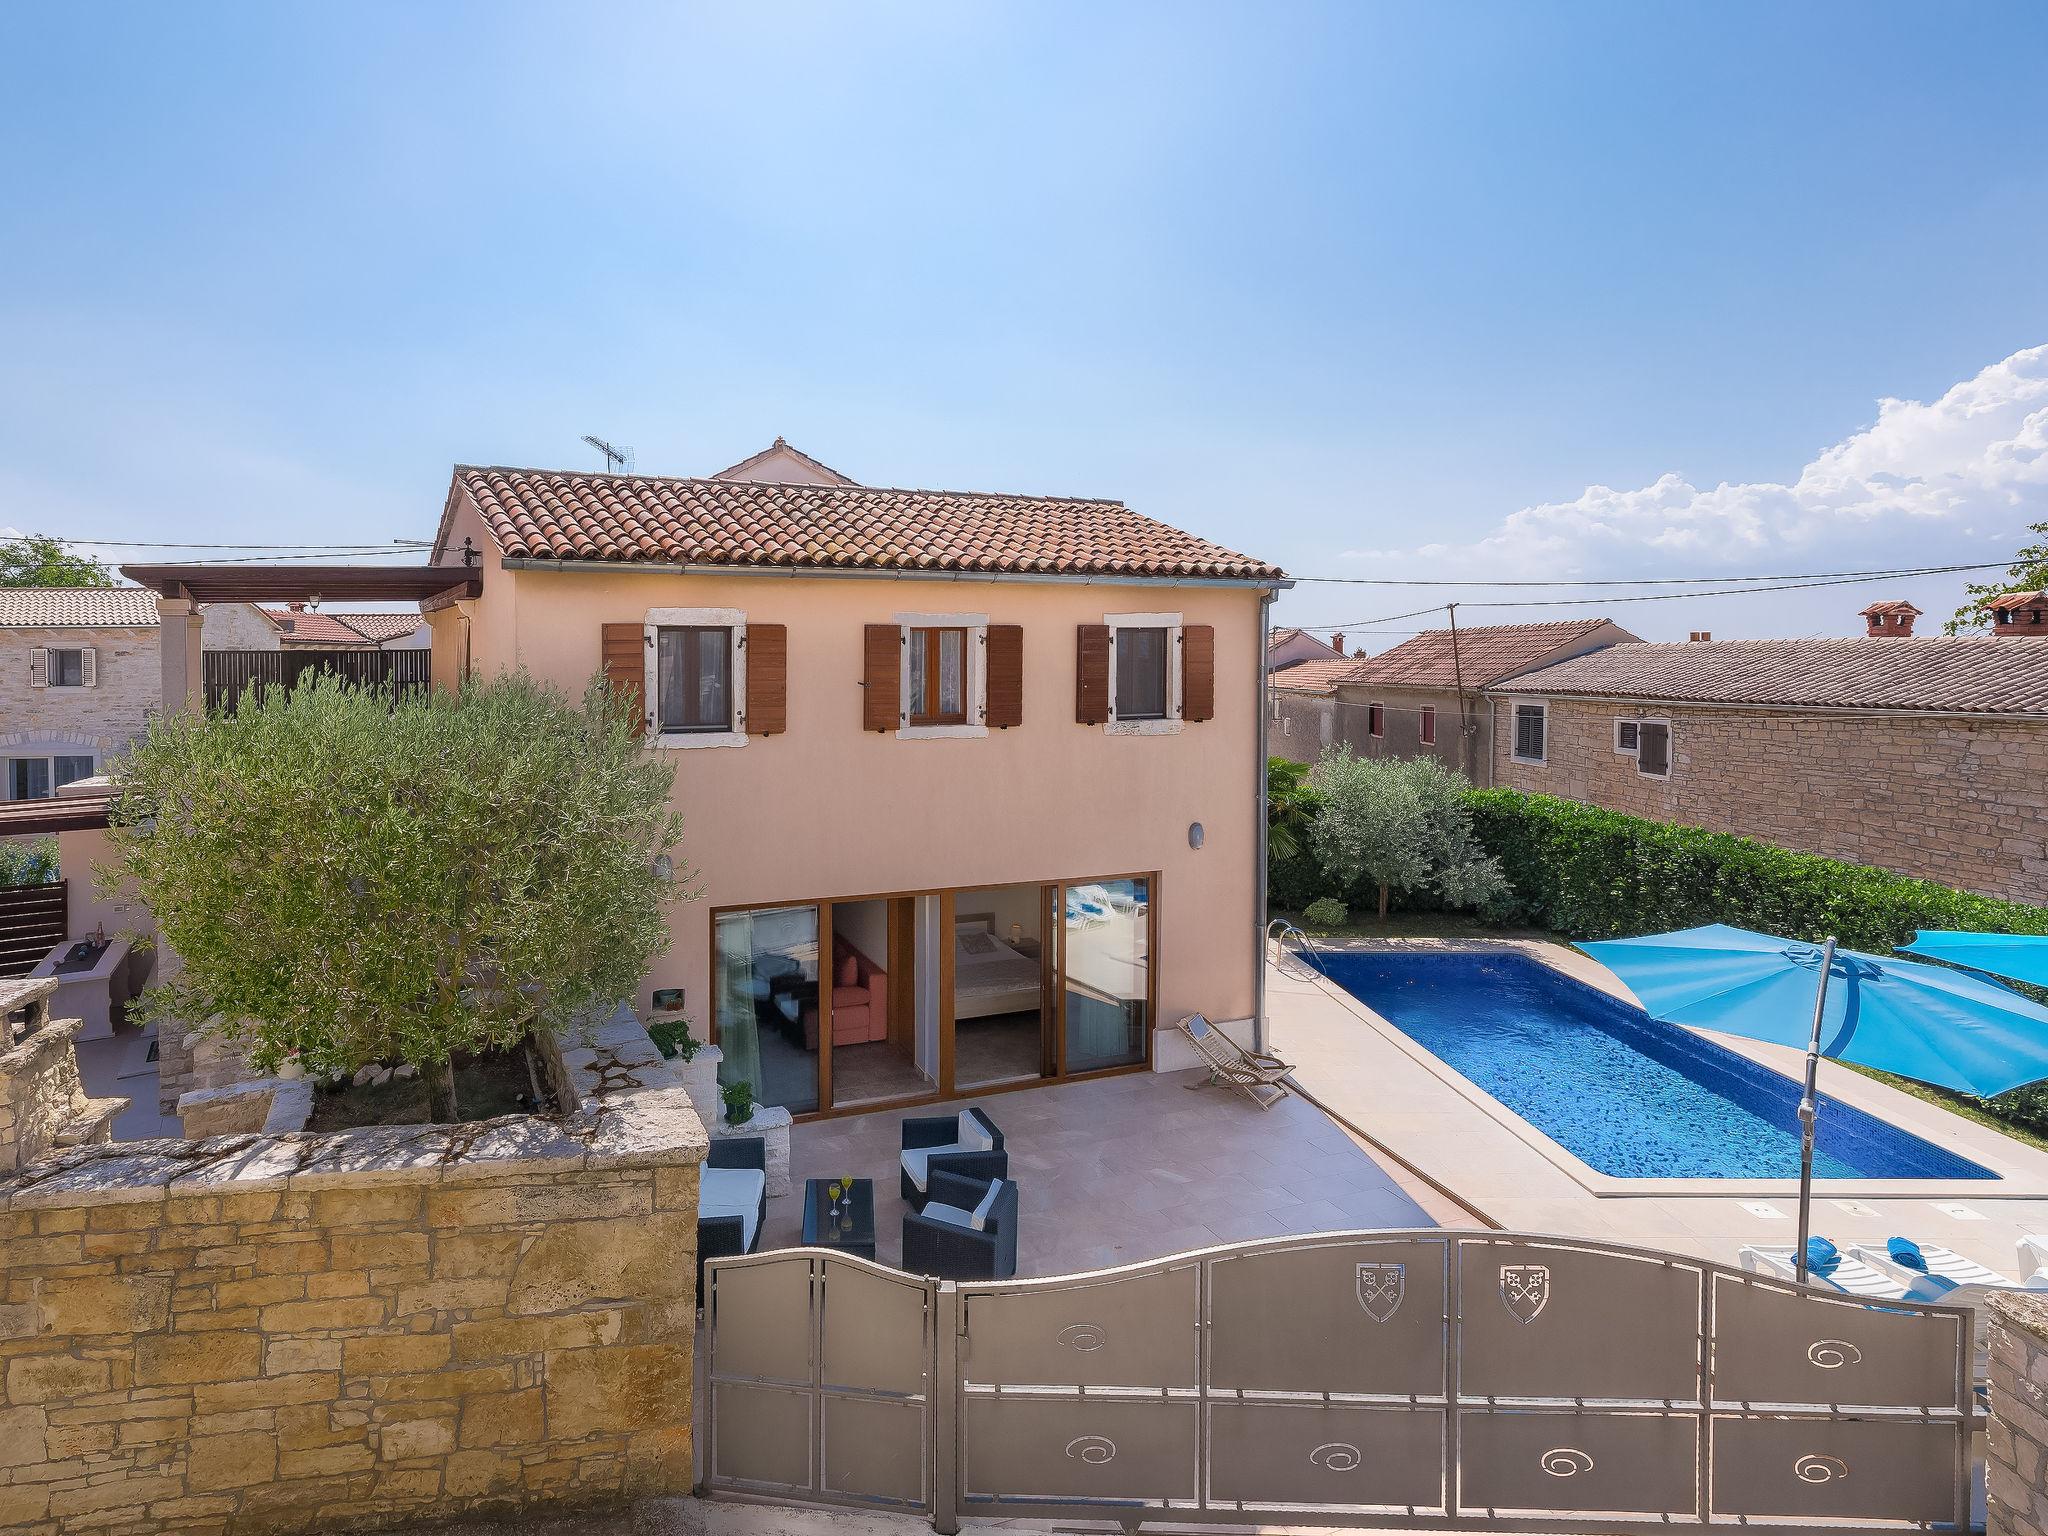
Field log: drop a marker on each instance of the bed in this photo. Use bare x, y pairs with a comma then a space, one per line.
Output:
989, 977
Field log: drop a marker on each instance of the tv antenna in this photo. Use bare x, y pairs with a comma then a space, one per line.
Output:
615, 457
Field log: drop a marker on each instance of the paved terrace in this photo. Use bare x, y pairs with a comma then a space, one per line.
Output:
1123, 1169
1376, 1080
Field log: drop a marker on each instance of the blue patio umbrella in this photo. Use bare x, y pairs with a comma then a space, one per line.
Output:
1925, 1022
2015, 956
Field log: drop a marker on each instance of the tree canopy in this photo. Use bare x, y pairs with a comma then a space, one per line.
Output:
1398, 823
359, 881
36, 560
2027, 573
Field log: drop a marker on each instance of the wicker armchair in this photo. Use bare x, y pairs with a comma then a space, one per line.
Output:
721, 1230
967, 1143
949, 1245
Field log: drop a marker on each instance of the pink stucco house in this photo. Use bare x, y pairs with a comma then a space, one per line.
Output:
970, 781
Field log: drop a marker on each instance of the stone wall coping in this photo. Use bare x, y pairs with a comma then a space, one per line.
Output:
636, 1128
32, 1047
2024, 1311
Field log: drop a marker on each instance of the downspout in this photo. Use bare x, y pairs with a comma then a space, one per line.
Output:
1259, 839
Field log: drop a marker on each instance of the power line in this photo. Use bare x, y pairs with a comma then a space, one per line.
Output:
156, 544
1647, 581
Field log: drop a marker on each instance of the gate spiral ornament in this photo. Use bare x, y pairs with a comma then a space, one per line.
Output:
1083, 1336
1565, 1461
1833, 1354
1820, 1469
1096, 1450
1336, 1456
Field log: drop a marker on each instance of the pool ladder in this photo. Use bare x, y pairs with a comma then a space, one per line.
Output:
1294, 956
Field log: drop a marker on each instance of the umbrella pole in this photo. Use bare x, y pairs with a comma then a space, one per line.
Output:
1809, 1110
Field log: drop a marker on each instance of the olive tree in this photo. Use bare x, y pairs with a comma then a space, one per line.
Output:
1398, 823
357, 880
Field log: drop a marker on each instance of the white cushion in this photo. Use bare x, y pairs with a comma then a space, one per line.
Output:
732, 1192
973, 1137
952, 1215
916, 1159
987, 1206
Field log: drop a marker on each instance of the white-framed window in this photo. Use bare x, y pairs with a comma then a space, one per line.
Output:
944, 676
1627, 736
63, 666
1531, 727
1653, 749
696, 681
37, 776
1144, 674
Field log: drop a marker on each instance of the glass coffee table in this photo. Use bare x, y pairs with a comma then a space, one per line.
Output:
853, 1229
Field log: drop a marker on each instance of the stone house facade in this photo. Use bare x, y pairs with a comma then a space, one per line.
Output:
1927, 756
79, 677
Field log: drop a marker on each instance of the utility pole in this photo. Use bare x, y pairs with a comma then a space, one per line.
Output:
1458, 670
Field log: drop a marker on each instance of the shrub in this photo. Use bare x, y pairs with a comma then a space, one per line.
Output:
1590, 873
1386, 824
673, 1039
29, 863
363, 881
1325, 912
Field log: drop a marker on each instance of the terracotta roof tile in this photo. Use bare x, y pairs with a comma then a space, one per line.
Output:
1485, 654
558, 515
379, 627
2019, 600
1319, 676
77, 608
1964, 674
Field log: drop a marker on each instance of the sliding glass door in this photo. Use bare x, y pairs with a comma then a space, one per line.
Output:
1105, 973
765, 992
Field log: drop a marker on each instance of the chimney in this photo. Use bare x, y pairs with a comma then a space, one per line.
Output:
2020, 614
1337, 642
1889, 620
1700, 636
296, 607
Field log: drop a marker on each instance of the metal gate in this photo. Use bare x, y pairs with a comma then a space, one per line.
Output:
1415, 1380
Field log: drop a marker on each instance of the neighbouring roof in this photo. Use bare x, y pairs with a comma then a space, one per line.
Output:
780, 449
538, 514
329, 628
380, 627
1963, 674
1318, 676
77, 608
1280, 637
1483, 655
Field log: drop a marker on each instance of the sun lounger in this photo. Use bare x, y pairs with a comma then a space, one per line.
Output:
1851, 1276
2034, 1256
1257, 1076
1942, 1264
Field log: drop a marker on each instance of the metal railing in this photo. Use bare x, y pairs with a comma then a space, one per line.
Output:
1300, 962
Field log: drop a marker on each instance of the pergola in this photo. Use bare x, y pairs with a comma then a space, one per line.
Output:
182, 589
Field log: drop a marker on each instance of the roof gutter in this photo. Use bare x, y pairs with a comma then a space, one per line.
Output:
1666, 701
839, 573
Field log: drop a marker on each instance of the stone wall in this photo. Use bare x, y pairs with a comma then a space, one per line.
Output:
101, 719
1948, 799
267, 1333
42, 1101
2016, 1450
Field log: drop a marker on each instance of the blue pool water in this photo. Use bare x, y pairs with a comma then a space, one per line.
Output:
1627, 1095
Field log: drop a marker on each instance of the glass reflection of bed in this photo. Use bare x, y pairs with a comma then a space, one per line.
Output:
989, 977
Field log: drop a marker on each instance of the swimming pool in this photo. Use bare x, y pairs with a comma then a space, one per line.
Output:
1628, 1096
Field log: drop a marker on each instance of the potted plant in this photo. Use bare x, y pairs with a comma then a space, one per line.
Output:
739, 1102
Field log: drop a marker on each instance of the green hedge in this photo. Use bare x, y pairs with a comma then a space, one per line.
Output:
1594, 874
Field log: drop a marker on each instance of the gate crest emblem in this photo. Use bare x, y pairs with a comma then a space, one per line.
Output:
1525, 1289
1380, 1289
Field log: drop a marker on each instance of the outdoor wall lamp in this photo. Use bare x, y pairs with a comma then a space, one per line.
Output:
1195, 834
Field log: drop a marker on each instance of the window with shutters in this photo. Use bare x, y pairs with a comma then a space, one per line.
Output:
1653, 749
1375, 719
943, 680
1147, 668
1429, 725
1531, 722
67, 668
696, 677
1627, 737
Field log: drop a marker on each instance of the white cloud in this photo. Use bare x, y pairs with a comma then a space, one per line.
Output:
1956, 477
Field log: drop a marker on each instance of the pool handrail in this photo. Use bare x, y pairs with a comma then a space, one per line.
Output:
1305, 950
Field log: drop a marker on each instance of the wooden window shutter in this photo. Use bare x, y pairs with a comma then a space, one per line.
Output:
38, 668
767, 679
89, 668
882, 677
1005, 675
1198, 672
625, 667
1091, 674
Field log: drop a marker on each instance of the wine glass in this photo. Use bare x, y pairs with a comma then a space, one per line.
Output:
832, 1190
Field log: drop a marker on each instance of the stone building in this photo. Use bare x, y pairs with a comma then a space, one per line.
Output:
1423, 697
1925, 755
79, 676
1302, 702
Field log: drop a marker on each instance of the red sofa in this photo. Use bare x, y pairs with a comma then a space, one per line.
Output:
860, 999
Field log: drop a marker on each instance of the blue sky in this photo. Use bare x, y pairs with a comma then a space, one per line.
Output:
1365, 289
